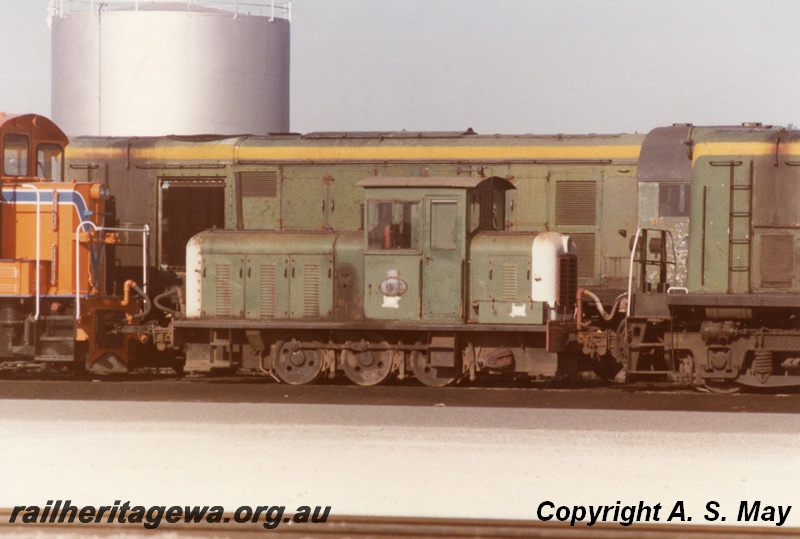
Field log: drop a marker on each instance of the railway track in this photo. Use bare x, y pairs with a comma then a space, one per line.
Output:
259, 390
401, 527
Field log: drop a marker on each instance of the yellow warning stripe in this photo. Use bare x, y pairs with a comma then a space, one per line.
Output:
360, 153
718, 149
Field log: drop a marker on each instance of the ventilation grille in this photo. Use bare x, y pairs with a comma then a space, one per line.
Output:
260, 184
509, 292
567, 281
267, 291
222, 288
777, 261
585, 245
311, 291
575, 203
10, 280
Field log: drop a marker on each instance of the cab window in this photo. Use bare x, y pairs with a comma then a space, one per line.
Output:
49, 161
673, 199
393, 224
15, 155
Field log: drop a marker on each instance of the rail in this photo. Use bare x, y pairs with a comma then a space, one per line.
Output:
406, 527
274, 9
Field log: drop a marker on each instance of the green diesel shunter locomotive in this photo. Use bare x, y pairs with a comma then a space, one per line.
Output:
433, 285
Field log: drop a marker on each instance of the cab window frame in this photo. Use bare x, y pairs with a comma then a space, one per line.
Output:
50, 157
391, 212
15, 157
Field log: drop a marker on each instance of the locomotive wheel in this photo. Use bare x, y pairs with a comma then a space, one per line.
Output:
430, 375
722, 387
295, 365
365, 367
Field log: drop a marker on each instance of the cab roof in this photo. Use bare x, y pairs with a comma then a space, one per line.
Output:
35, 126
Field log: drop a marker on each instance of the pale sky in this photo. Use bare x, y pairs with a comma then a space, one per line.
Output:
502, 66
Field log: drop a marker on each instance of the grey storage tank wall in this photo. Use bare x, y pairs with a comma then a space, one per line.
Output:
141, 68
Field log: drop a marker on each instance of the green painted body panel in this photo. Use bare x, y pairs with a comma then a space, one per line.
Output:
500, 279
509, 312
349, 276
745, 211
264, 276
376, 269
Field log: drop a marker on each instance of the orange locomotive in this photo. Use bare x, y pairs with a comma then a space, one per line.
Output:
54, 309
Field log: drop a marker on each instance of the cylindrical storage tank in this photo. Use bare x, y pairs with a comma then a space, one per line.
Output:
143, 68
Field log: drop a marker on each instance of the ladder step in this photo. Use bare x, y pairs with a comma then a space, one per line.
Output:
54, 359
65, 338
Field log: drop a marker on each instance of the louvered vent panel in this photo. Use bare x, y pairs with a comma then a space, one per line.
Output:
777, 261
567, 280
260, 184
509, 292
575, 203
222, 288
311, 291
585, 245
9, 280
266, 305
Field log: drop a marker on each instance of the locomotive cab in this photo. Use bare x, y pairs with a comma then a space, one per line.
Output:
417, 232
53, 304
32, 147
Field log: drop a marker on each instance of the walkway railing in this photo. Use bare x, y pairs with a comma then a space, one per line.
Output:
280, 9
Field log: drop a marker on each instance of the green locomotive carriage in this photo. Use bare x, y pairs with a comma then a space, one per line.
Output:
735, 323
432, 285
582, 185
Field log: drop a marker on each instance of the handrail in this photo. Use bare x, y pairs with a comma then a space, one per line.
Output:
145, 230
38, 246
633, 261
280, 9
630, 272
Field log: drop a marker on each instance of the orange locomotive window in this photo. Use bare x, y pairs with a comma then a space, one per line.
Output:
15, 155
